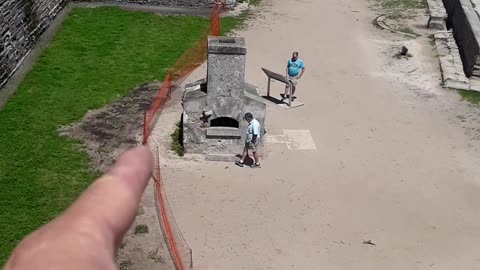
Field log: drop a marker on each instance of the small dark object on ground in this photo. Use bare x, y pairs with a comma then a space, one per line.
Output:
369, 242
404, 51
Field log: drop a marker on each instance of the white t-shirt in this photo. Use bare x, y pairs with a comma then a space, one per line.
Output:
253, 129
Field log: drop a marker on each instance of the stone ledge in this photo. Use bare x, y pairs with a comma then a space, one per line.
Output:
451, 64
438, 15
466, 26
226, 45
224, 133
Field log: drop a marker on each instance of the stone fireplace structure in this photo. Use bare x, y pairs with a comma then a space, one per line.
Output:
213, 108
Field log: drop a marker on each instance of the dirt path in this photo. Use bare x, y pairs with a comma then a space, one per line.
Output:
391, 165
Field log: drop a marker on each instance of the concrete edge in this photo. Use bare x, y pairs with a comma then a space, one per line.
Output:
441, 40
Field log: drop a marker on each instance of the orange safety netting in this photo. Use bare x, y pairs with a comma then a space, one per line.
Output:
178, 248
186, 64
180, 252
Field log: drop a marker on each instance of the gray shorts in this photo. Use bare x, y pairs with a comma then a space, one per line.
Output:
251, 146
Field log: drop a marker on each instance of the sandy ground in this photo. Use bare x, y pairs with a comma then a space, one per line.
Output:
394, 159
389, 157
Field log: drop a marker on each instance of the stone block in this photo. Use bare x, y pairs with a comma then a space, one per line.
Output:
224, 133
225, 77
463, 18
438, 15
450, 62
226, 45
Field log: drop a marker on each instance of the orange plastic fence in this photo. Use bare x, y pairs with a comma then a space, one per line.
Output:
180, 252
187, 63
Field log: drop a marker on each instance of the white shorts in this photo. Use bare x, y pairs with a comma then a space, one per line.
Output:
292, 80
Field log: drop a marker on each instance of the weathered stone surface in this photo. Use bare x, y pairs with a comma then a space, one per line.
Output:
213, 113
21, 24
226, 77
438, 15
227, 45
465, 22
450, 62
223, 132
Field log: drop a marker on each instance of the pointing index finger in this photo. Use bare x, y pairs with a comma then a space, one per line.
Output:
109, 205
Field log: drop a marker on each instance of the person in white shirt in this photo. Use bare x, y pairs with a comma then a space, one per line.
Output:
251, 141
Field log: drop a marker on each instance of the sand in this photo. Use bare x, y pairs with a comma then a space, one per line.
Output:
393, 162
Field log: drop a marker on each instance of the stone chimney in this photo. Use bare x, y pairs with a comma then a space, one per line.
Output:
213, 107
226, 76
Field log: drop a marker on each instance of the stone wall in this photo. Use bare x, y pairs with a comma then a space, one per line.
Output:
438, 14
464, 20
21, 24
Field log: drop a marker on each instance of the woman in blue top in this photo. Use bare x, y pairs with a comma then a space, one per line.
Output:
295, 70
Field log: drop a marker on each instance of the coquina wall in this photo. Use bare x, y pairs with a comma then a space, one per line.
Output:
21, 24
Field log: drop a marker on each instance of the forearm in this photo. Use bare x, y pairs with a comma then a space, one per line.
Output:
254, 138
301, 73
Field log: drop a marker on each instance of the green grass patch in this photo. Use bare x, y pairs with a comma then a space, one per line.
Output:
177, 140
141, 229
250, 2
391, 5
400, 10
470, 96
255, 2
231, 23
98, 55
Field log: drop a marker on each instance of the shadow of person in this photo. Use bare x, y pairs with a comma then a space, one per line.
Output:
248, 160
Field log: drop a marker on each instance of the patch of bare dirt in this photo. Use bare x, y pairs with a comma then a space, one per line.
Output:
109, 131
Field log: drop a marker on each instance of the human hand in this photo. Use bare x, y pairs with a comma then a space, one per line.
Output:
88, 234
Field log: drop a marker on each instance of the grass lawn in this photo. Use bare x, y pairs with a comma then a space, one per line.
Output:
391, 5
471, 96
98, 55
